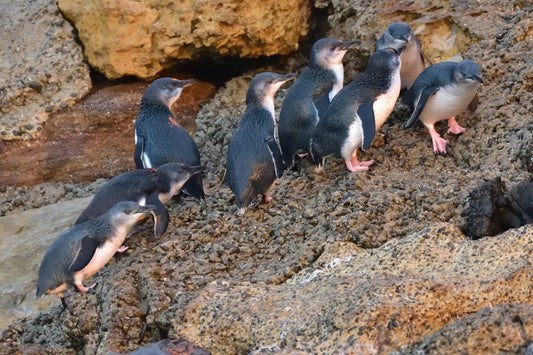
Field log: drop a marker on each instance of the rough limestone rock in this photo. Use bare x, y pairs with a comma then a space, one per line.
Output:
353, 300
140, 38
42, 68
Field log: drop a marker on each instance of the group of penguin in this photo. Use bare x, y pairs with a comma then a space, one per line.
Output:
318, 117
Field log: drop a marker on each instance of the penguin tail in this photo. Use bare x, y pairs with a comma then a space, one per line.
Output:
195, 187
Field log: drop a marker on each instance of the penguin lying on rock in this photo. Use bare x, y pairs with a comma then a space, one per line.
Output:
82, 250
159, 139
310, 95
441, 92
146, 187
358, 111
254, 160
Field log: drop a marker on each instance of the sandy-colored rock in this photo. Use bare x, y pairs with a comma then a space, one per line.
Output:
24, 237
140, 38
42, 67
355, 301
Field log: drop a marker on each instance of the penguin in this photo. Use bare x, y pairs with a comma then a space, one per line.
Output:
254, 160
398, 35
145, 186
84, 249
441, 92
358, 111
308, 98
159, 139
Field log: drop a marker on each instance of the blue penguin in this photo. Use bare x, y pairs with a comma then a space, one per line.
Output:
398, 35
144, 186
159, 139
441, 92
358, 111
310, 95
82, 250
254, 160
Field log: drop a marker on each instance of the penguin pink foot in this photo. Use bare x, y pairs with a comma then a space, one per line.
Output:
122, 249
453, 127
356, 165
83, 288
266, 198
302, 155
439, 143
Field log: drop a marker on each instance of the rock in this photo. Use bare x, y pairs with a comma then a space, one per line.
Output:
490, 210
91, 140
141, 38
505, 328
40, 65
25, 237
170, 347
370, 301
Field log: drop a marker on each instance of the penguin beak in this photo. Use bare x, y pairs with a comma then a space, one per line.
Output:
286, 77
477, 78
146, 209
349, 44
185, 83
195, 170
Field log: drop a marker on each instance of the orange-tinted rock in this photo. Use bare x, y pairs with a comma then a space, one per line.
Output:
142, 38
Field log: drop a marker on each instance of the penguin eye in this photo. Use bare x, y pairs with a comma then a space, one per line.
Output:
128, 211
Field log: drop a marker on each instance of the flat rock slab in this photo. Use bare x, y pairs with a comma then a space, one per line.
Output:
354, 300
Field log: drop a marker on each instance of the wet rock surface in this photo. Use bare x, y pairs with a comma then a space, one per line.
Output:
42, 68
421, 280
94, 139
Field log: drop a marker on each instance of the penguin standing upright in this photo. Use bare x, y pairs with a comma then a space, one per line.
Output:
358, 111
159, 139
310, 95
254, 160
400, 35
441, 92
82, 250
144, 186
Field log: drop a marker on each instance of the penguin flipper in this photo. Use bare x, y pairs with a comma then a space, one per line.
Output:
368, 121
160, 214
277, 157
139, 150
472, 106
85, 253
420, 103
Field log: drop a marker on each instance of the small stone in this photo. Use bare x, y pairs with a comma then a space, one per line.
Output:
49, 108
35, 85
63, 105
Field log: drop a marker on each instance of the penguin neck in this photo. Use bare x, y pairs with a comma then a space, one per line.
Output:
150, 104
266, 103
338, 71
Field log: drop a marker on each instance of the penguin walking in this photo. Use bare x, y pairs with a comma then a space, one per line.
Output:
159, 139
254, 160
400, 35
441, 92
146, 187
358, 111
82, 250
310, 95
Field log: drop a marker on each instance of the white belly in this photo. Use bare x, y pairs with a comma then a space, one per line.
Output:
384, 103
146, 161
101, 257
412, 65
354, 140
447, 102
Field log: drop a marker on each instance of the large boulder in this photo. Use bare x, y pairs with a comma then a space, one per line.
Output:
42, 68
141, 38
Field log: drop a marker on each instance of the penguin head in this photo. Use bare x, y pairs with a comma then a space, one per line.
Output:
166, 90
128, 213
398, 34
467, 71
264, 86
384, 59
327, 52
178, 173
